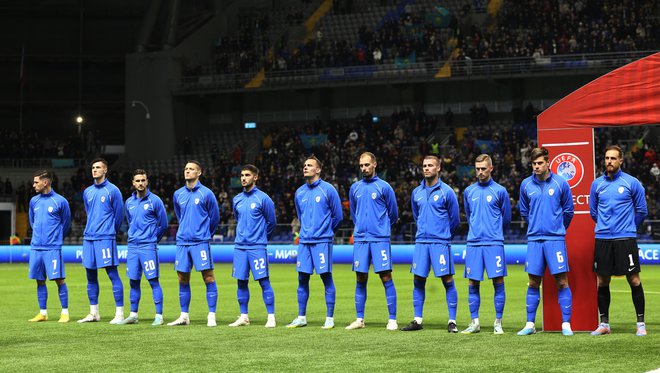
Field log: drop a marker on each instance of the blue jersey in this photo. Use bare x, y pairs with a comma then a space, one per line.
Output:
255, 219
373, 209
547, 206
147, 220
50, 219
319, 209
488, 212
105, 211
198, 214
435, 209
617, 205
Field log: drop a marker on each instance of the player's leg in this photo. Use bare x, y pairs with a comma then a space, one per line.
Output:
203, 261
304, 265
240, 271
474, 269
152, 274
134, 273
495, 263
443, 267
323, 255
557, 260
361, 263
107, 256
381, 256
63, 293
117, 292
89, 261
183, 266
37, 271
260, 272
420, 268
603, 266
630, 260
535, 267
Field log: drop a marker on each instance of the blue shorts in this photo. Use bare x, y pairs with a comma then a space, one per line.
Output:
255, 260
437, 255
142, 260
490, 258
46, 263
198, 254
378, 253
315, 256
100, 254
546, 253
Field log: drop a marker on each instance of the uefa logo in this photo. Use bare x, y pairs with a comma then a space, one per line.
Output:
569, 167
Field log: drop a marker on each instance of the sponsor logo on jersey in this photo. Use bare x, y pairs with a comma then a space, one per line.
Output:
568, 166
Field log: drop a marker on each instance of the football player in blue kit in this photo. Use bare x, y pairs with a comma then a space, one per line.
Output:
254, 211
488, 213
147, 223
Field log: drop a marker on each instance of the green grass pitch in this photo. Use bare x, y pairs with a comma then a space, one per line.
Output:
51, 346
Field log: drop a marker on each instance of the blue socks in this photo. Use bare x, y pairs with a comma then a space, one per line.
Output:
92, 286
330, 293
157, 292
452, 298
212, 295
390, 297
303, 293
268, 295
474, 300
117, 286
243, 295
63, 291
499, 300
532, 301
419, 296
360, 298
135, 294
565, 298
42, 296
184, 296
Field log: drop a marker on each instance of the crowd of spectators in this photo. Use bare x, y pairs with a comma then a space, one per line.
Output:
30, 145
399, 142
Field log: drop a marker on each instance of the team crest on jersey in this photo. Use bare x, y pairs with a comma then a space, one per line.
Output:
318, 199
414, 265
197, 201
146, 206
467, 270
551, 191
357, 263
620, 190
50, 208
298, 263
253, 205
568, 166
373, 195
102, 199
489, 198
436, 197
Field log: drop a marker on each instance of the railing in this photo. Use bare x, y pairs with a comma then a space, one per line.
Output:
41, 162
422, 71
401, 234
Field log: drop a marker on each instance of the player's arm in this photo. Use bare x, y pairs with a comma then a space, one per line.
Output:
523, 203
31, 213
453, 211
118, 208
269, 215
593, 202
390, 201
352, 202
213, 211
567, 204
466, 205
413, 206
65, 217
639, 201
335, 208
161, 215
505, 208
176, 207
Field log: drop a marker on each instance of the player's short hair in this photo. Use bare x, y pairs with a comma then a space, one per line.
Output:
250, 167
371, 155
436, 159
102, 160
140, 171
199, 165
615, 147
484, 158
539, 152
43, 174
318, 162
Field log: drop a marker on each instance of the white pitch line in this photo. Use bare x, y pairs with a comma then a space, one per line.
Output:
628, 291
567, 144
581, 212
